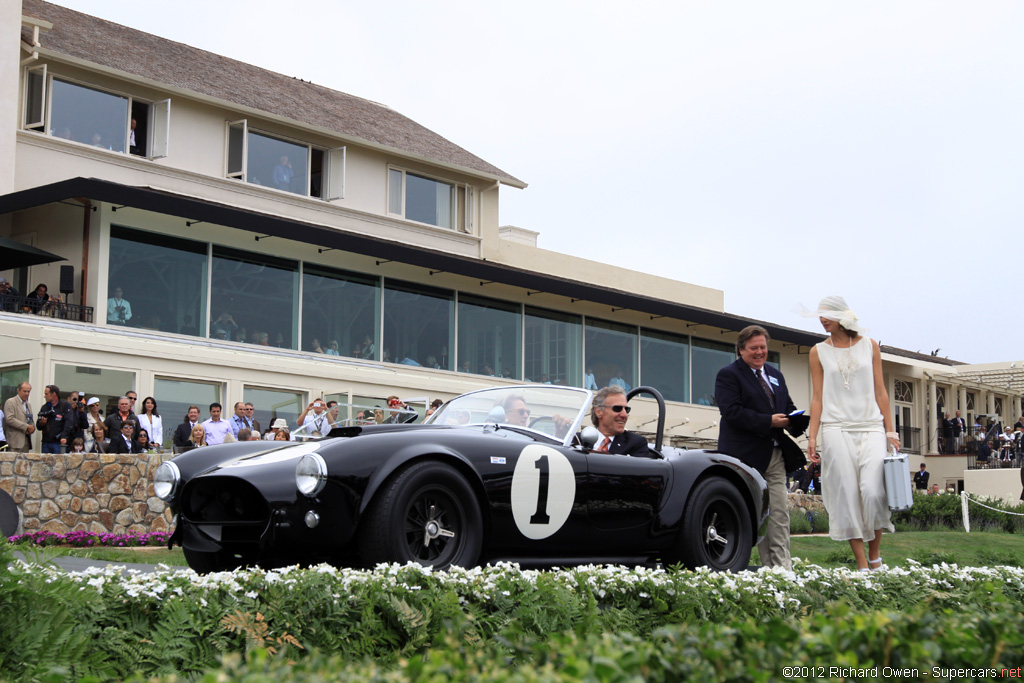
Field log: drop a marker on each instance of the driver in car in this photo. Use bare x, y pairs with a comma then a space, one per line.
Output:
609, 414
516, 412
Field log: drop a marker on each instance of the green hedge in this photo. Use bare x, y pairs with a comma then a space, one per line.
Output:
922, 644
945, 512
105, 624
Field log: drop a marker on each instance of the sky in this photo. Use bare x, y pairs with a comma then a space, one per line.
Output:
777, 151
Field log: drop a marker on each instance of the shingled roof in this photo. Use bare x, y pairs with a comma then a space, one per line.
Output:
136, 53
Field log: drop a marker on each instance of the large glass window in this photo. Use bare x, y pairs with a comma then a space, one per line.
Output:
162, 279
95, 117
490, 333
419, 325
611, 353
10, 378
340, 313
271, 404
87, 115
174, 396
263, 159
553, 347
665, 364
105, 384
708, 357
435, 202
277, 163
254, 298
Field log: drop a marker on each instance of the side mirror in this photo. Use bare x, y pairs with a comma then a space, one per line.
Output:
496, 415
589, 437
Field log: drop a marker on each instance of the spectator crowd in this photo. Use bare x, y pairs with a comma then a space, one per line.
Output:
77, 423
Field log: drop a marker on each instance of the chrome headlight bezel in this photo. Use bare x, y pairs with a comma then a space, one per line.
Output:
310, 474
166, 480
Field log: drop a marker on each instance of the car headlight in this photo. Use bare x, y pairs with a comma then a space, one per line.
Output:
310, 474
165, 481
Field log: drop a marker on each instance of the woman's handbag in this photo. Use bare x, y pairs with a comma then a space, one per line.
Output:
897, 481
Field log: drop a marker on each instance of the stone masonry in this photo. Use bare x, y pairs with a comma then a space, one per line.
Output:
99, 492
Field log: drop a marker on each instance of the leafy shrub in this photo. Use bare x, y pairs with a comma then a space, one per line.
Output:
177, 622
841, 556
945, 512
938, 557
798, 524
736, 650
997, 558
819, 522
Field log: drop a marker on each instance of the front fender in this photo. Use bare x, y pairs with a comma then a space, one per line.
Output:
411, 453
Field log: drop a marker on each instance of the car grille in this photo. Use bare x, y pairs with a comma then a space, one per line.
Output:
223, 500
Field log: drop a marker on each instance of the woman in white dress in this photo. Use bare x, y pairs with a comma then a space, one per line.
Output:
150, 420
850, 405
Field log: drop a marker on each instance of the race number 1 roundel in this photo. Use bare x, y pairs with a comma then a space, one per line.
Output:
543, 491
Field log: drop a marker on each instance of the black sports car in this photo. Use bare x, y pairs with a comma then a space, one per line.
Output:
496, 474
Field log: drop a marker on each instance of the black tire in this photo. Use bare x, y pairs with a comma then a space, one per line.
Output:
716, 528
206, 562
425, 513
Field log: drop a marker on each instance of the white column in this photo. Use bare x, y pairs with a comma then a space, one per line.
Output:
10, 70
931, 424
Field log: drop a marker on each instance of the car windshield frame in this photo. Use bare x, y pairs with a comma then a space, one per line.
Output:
551, 409
378, 415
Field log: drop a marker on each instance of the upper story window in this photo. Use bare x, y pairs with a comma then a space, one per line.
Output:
426, 200
100, 118
287, 165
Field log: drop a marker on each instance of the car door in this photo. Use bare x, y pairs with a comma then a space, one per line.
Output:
625, 492
537, 496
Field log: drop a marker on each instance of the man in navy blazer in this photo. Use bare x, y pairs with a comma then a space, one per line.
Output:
755, 406
609, 413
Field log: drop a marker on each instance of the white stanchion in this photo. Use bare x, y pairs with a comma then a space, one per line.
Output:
964, 499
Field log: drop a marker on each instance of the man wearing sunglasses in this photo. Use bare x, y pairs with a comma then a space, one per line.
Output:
609, 414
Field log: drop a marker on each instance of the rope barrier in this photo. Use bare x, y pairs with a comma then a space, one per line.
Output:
964, 499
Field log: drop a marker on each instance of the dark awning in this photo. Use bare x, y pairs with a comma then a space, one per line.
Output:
193, 209
17, 255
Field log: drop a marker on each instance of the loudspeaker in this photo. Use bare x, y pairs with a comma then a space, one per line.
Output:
67, 279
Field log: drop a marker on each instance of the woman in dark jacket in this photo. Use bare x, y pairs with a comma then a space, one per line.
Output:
100, 443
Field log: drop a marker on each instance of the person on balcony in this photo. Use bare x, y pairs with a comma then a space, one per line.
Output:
8, 296
39, 299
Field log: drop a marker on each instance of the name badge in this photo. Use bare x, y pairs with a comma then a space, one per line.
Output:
773, 380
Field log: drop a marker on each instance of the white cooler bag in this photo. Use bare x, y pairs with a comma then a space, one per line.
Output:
897, 482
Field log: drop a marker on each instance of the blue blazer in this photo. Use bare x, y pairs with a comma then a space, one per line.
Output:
745, 431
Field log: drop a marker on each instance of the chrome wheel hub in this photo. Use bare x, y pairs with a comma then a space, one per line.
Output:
432, 528
711, 533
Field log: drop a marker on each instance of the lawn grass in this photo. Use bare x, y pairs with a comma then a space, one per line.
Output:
926, 547
158, 555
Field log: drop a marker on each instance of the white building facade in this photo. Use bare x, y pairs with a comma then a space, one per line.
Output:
277, 241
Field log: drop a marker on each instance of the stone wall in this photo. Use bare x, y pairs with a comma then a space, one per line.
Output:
803, 503
99, 492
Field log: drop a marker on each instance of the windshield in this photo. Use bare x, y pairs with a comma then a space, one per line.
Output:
352, 414
551, 410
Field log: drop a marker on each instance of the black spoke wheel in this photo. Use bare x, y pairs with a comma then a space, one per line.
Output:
717, 528
426, 513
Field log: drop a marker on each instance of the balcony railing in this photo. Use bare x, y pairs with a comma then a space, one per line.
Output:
53, 308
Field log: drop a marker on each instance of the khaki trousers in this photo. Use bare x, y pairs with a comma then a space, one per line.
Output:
774, 549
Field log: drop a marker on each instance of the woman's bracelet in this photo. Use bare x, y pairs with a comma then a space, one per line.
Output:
892, 435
